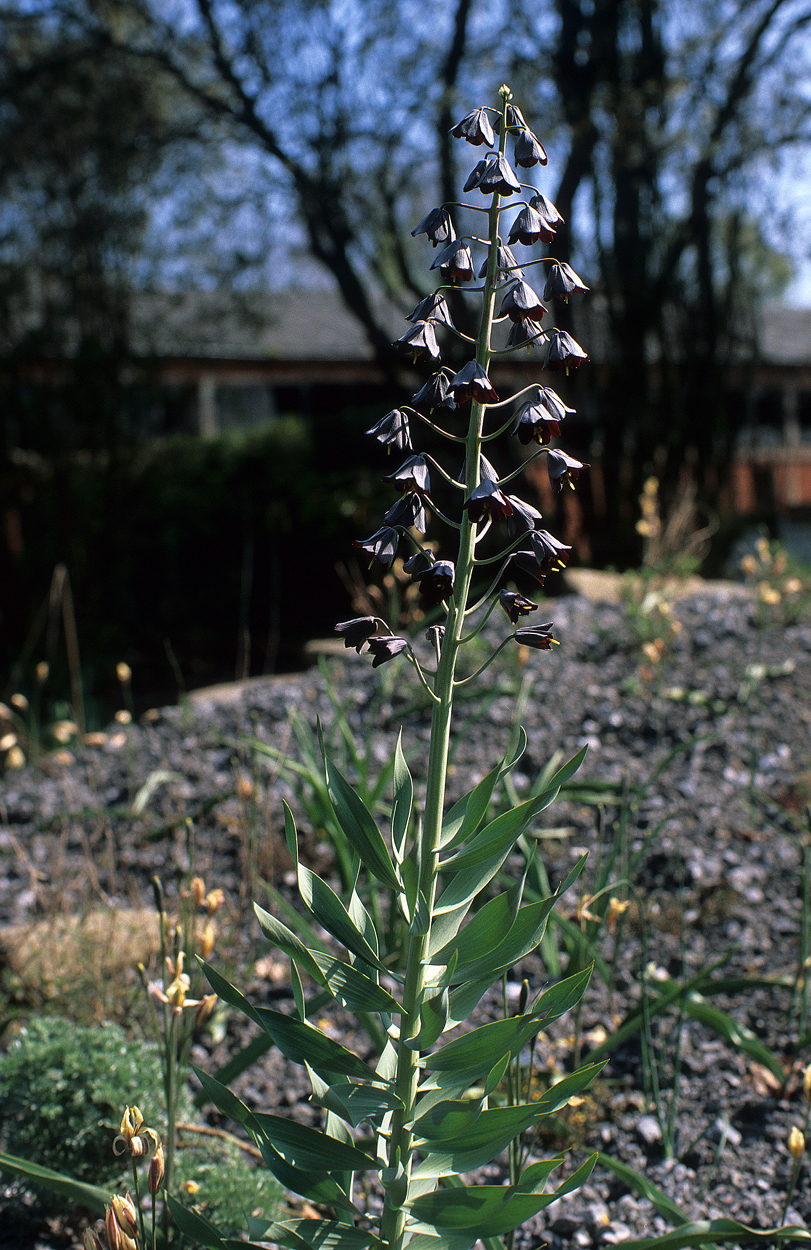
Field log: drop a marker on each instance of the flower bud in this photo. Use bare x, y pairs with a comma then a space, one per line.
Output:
807, 1084
796, 1143
91, 1240
42, 671
197, 890
205, 1010
207, 940
157, 1167
125, 1213
124, 673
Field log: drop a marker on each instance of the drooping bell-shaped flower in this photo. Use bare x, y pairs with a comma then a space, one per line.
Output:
521, 302
433, 308
407, 511
528, 151
537, 636
487, 502
515, 605
455, 262
381, 546
524, 517
563, 352
563, 282
392, 430
436, 582
435, 393
548, 214
540, 419
506, 265
437, 225
550, 554
384, 649
411, 475
419, 342
528, 228
526, 333
472, 382
475, 128
562, 468
494, 175
356, 632
515, 121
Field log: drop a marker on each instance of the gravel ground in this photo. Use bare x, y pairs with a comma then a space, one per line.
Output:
707, 754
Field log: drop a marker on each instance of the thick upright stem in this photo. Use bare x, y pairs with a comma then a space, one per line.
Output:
407, 1074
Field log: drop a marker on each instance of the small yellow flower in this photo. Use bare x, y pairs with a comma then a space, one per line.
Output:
124, 673
807, 1084
157, 1167
796, 1143
767, 594
207, 940
125, 1214
214, 901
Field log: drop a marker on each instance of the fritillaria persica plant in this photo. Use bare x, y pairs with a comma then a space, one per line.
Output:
425, 1111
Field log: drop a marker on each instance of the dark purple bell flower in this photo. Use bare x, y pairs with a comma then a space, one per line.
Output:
526, 333
392, 430
384, 649
356, 632
436, 583
515, 605
548, 214
417, 564
528, 228
438, 227
524, 517
382, 545
521, 302
562, 468
540, 419
526, 562
407, 511
472, 381
563, 352
563, 282
487, 502
433, 308
506, 265
538, 636
528, 151
475, 128
419, 342
496, 177
434, 394
411, 475
549, 553
455, 262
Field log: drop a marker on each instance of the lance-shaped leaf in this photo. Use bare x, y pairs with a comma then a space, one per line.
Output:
491, 922
228, 1103
301, 1043
479, 1050
317, 1186
402, 801
433, 1019
356, 1104
198, 1230
500, 835
438, 1241
310, 1234
491, 1132
324, 903
308, 1148
489, 1209
495, 950
346, 982
467, 815
360, 829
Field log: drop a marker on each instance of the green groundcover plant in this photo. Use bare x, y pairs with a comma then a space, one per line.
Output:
429, 1110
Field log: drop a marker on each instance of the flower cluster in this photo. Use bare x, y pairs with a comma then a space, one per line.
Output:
533, 416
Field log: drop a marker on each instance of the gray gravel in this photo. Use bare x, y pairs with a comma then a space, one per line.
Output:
711, 749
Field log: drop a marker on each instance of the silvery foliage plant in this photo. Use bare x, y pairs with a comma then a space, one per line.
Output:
428, 1109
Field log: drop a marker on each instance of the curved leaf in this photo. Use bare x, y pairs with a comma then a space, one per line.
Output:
301, 1043
194, 1226
325, 905
317, 1186
360, 829
468, 813
309, 1148
321, 1234
402, 801
91, 1196
500, 835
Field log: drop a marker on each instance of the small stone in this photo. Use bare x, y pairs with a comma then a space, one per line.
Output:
648, 1131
